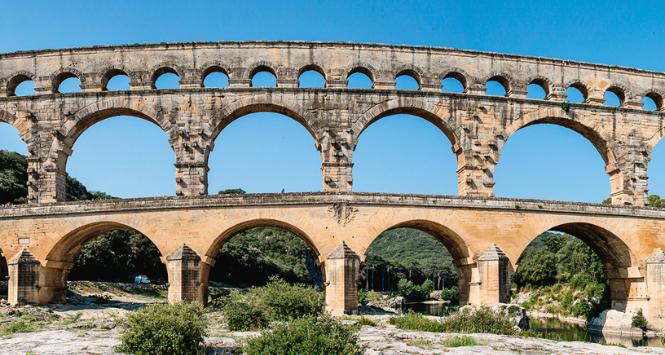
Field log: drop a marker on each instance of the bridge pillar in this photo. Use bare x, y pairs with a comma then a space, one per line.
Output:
184, 270
493, 276
342, 270
655, 283
336, 156
23, 279
191, 179
628, 175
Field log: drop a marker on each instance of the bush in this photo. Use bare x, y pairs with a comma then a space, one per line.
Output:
411, 292
366, 321
243, 316
22, 325
639, 321
462, 340
309, 335
451, 295
282, 301
416, 321
164, 329
481, 320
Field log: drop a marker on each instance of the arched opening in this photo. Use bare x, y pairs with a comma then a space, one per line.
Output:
257, 252
13, 166
574, 269
614, 97
406, 81
406, 153
120, 156
538, 90
419, 261
263, 77
215, 77
547, 161
116, 80
577, 93
123, 264
165, 78
4, 277
656, 171
652, 102
453, 83
21, 85
67, 83
360, 78
497, 86
311, 78
278, 153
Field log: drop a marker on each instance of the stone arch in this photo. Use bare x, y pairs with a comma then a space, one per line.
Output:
16, 79
580, 85
502, 78
164, 68
362, 68
212, 67
109, 73
620, 91
411, 106
63, 74
315, 67
657, 97
67, 247
225, 114
22, 124
262, 66
543, 82
456, 73
558, 116
416, 73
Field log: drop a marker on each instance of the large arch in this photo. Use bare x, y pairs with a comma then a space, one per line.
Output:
621, 266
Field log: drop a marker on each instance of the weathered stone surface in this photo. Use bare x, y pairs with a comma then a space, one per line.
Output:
192, 117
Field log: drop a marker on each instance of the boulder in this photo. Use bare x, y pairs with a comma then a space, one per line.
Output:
513, 311
614, 322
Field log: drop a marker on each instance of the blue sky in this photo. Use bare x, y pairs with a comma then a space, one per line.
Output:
267, 152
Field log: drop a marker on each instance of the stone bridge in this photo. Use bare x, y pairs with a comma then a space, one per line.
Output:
485, 235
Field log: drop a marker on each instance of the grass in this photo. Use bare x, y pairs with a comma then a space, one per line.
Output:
21, 325
366, 321
415, 321
421, 343
458, 341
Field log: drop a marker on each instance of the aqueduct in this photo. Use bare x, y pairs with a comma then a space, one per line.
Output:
485, 235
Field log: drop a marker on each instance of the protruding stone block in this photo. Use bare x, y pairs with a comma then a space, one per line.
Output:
184, 275
655, 280
23, 279
342, 269
494, 274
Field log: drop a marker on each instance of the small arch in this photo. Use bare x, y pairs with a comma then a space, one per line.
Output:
360, 78
311, 76
577, 92
454, 82
115, 79
67, 81
497, 85
407, 80
538, 89
168, 78
652, 102
21, 84
615, 96
263, 76
215, 77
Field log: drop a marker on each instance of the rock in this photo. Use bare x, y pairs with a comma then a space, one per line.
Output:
516, 312
615, 322
388, 304
436, 295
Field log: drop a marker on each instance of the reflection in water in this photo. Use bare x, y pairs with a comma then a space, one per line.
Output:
551, 328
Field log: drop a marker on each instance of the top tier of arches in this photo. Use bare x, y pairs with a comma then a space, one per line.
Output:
385, 67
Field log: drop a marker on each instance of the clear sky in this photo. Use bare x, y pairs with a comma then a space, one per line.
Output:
127, 157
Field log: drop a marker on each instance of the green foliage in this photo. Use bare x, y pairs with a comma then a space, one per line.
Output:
655, 201
414, 293
23, 324
366, 321
232, 192
309, 335
164, 329
481, 320
460, 340
277, 301
118, 256
416, 321
639, 321
407, 253
252, 257
13, 177
451, 294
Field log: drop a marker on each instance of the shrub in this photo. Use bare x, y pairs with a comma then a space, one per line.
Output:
416, 321
366, 321
462, 340
411, 292
21, 325
451, 294
639, 321
283, 301
164, 329
481, 320
243, 316
309, 335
